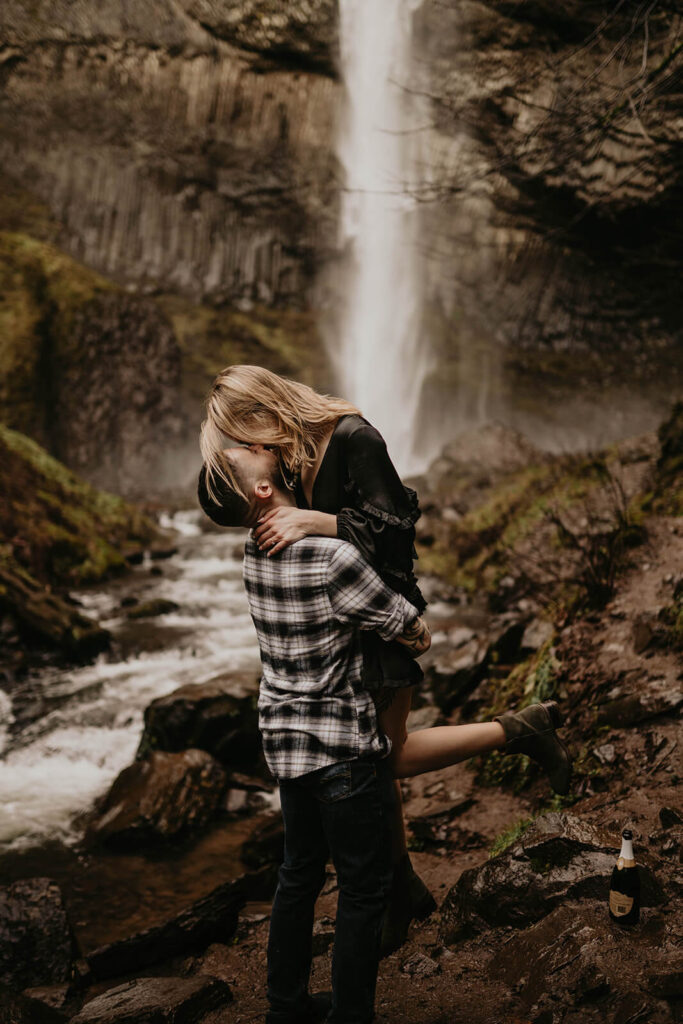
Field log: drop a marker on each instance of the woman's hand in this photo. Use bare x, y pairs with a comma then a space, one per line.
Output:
280, 527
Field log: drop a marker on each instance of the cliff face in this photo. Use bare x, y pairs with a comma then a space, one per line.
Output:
189, 146
87, 370
178, 149
554, 207
172, 157
185, 147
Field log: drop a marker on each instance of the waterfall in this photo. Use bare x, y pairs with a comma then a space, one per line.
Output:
378, 353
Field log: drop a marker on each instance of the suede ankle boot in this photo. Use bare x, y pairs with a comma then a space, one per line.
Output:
409, 900
532, 732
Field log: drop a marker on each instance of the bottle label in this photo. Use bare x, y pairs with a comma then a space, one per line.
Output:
619, 904
623, 863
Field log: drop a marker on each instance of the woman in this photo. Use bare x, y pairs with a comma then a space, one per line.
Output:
346, 486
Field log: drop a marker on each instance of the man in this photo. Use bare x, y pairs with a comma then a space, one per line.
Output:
320, 740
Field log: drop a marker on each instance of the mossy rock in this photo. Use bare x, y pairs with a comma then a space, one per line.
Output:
150, 609
562, 527
41, 292
286, 341
23, 211
479, 549
668, 494
534, 679
44, 616
57, 527
56, 531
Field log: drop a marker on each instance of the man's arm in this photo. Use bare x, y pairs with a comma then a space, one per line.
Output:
359, 597
416, 637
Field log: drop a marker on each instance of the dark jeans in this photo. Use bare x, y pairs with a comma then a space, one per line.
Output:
343, 810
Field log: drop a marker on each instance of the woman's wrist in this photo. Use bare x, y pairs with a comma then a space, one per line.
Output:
321, 524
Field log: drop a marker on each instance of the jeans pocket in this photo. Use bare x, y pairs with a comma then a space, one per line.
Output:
334, 783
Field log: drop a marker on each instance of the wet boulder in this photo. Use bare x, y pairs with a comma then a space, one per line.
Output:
622, 708
559, 858
536, 634
212, 918
42, 617
159, 798
468, 465
506, 637
438, 828
576, 957
219, 716
152, 608
157, 1001
247, 795
455, 672
37, 946
266, 844
24, 1009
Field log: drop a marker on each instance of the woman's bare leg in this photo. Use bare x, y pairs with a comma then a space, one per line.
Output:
438, 747
392, 720
441, 746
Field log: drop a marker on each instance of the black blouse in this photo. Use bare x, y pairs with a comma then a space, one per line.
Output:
357, 482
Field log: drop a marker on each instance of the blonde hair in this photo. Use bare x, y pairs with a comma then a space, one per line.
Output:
251, 405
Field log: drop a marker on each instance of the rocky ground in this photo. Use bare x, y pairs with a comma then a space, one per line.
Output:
162, 913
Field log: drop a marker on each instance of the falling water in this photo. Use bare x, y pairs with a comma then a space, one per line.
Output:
380, 356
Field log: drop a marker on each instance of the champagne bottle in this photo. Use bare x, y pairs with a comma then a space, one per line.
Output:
624, 890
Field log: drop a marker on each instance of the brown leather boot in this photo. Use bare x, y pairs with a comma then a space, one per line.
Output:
532, 732
409, 900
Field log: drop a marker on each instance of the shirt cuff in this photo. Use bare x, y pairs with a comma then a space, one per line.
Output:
402, 614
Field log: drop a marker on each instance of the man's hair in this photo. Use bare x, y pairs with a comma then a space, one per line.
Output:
231, 509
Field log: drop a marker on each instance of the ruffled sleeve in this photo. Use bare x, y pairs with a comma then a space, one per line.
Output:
381, 513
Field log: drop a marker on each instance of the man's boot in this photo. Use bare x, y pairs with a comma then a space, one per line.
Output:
532, 732
409, 900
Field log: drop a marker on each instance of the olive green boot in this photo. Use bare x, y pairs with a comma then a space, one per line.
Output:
532, 732
409, 900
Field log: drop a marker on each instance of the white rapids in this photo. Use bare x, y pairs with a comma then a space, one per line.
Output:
90, 718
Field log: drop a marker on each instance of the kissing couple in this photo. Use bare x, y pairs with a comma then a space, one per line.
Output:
328, 571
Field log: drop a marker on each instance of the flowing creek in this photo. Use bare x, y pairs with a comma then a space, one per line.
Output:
68, 732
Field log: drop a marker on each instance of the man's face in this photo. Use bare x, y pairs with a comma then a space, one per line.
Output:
252, 463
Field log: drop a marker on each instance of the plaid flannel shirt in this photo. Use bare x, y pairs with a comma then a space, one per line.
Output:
308, 603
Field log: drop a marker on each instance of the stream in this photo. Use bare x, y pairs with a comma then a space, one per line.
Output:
66, 733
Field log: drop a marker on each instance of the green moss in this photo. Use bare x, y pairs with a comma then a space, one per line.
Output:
511, 835
60, 529
157, 606
42, 292
284, 340
478, 548
541, 682
533, 680
43, 615
22, 211
667, 496
672, 619
518, 522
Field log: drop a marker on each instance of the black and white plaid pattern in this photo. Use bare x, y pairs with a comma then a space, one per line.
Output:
307, 603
